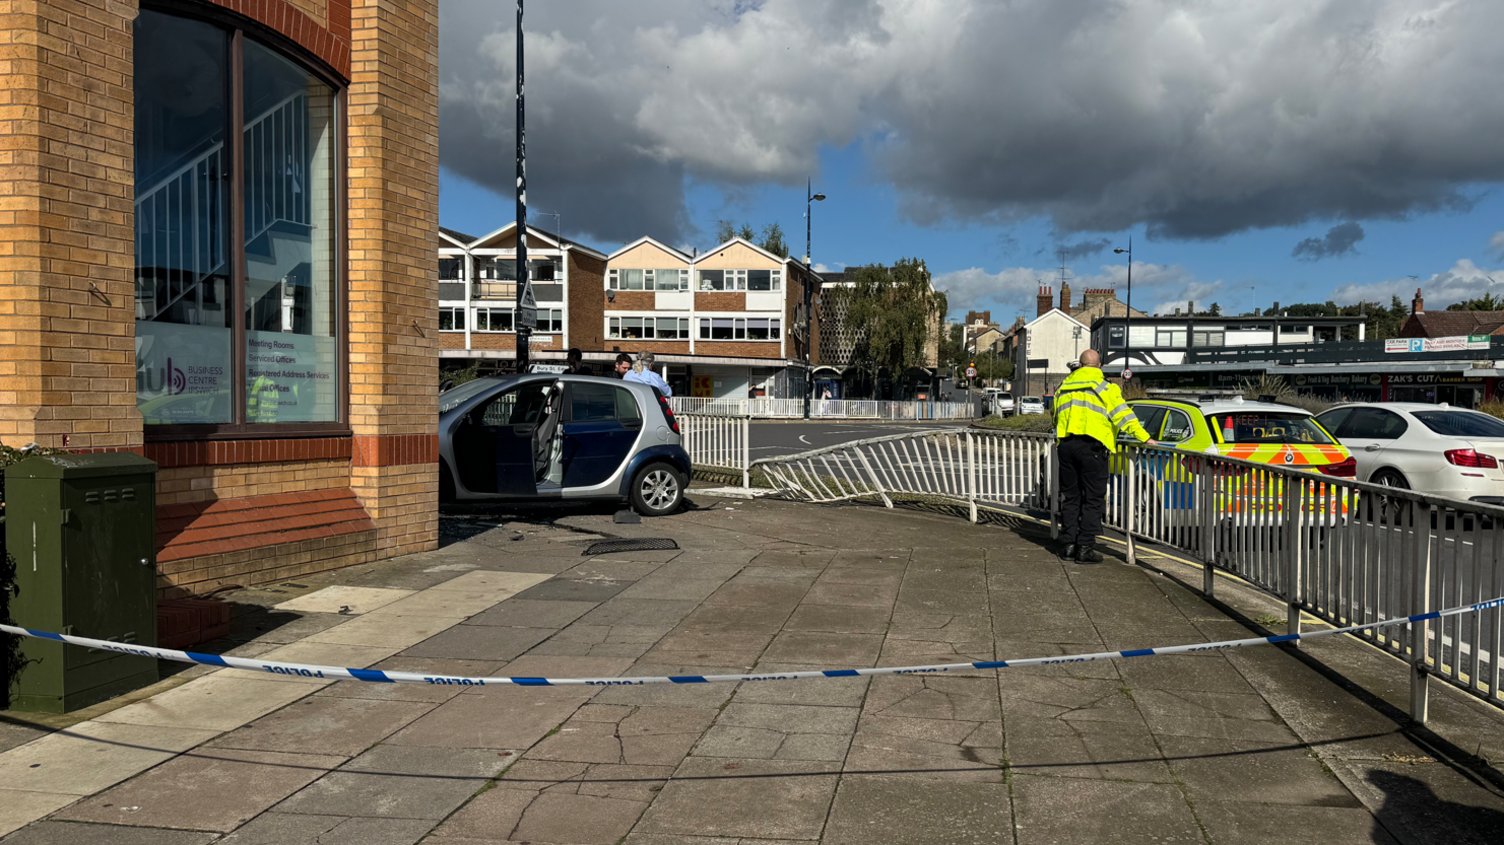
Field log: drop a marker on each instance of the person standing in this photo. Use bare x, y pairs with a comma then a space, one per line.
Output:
574, 364
1089, 414
623, 365
642, 371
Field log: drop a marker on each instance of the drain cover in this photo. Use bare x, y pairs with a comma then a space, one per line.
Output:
647, 544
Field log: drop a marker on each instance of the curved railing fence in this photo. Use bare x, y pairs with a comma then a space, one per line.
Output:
1344, 552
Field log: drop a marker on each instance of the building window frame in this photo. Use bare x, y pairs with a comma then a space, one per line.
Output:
240, 28
649, 278
649, 326
739, 327
735, 280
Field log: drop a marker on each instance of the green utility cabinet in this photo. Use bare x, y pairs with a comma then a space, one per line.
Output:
82, 529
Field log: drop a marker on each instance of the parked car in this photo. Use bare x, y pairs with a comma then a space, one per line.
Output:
554, 437
1261, 432
1031, 405
1436, 449
1002, 403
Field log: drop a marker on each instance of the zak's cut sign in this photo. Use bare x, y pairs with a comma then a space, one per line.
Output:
1457, 343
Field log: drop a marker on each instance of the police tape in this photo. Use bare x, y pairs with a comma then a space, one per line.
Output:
378, 676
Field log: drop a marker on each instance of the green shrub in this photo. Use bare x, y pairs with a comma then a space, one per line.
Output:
1021, 422
1494, 407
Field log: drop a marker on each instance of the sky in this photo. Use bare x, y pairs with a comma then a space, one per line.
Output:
1254, 151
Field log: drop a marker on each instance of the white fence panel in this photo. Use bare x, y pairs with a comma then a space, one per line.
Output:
722, 442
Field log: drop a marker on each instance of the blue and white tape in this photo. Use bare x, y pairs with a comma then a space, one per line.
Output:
377, 676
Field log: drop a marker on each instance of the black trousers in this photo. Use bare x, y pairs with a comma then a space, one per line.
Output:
1083, 489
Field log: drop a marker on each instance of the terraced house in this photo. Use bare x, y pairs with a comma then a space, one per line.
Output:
220, 222
478, 295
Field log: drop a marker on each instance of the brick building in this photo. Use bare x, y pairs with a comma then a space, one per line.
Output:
220, 223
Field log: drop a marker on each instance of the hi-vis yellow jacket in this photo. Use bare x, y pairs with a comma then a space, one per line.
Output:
1086, 403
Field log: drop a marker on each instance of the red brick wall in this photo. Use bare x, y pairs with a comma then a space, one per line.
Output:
322, 27
721, 301
737, 348
587, 302
632, 300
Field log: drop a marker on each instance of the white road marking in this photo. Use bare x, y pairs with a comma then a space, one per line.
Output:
805, 442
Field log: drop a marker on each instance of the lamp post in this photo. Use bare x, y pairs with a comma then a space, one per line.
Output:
810, 199
1128, 314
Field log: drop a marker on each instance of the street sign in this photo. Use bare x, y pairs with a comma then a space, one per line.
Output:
1039, 363
971, 372
1127, 373
527, 309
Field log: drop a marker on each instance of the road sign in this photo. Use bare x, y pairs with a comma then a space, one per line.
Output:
527, 309
971, 372
1127, 373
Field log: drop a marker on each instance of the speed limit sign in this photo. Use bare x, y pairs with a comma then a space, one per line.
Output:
1127, 373
971, 372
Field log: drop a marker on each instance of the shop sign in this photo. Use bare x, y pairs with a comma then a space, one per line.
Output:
1456, 343
1433, 378
182, 373
1338, 379
702, 386
291, 377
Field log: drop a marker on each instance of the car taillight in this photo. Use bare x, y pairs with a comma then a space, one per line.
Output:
1341, 469
668, 412
1470, 458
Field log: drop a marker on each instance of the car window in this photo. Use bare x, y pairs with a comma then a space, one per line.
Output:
1178, 426
458, 395
1374, 424
1332, 420
520, 406
1150, 417
1461, 423
602, 403
1268, 427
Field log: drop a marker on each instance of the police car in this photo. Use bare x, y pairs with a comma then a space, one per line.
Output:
1261, 432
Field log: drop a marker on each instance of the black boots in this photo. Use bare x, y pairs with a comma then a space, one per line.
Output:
1086, 554
1068, 551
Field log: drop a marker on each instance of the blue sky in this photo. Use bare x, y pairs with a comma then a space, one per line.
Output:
1219, 134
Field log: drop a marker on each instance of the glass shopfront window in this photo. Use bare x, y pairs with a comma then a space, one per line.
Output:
195, 365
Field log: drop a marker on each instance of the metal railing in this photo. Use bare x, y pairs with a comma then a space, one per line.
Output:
1342, 551
828, 408
717, 442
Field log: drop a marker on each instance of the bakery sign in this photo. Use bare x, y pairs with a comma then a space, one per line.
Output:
1456, 343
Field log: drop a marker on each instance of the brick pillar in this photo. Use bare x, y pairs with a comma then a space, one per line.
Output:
394, 223
67, 301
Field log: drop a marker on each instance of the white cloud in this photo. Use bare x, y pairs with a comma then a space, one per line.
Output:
1015, 289
1465, 280
1496, 245
833, 267
1197, 117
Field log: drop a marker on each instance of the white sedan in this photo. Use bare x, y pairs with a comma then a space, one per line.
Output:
1031, 405
1436, 449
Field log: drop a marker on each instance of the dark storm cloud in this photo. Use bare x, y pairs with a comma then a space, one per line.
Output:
1083, 249
1340, 241
1197, 119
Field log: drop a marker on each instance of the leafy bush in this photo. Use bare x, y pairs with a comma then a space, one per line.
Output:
1307, 402
1267, 385
1135, 390
1494, 407
1021, 422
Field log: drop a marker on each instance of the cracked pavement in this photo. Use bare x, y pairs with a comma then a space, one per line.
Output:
1229, 747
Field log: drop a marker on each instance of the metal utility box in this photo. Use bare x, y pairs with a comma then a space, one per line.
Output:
83, 531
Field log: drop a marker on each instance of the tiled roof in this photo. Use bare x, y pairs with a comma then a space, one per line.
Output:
459, 236
1452, 323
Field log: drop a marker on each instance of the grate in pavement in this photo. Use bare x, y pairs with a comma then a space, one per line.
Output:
646, 544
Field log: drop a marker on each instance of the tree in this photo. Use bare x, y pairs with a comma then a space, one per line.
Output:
772, 240
892, 309
772, 236
953, 348
1486, 302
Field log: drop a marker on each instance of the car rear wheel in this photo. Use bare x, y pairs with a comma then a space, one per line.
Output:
658, 490
1388, 509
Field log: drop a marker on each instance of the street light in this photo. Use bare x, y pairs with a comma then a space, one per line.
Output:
809, 339
1128, 315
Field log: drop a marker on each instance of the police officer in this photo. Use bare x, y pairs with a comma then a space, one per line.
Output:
1089, 413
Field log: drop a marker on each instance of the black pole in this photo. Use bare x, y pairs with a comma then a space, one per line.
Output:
809, 364
1128, 314
523, 326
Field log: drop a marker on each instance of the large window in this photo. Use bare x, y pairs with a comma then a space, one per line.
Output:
660, 279
550, 320
738, 328
233, 332
641, 328
741, 280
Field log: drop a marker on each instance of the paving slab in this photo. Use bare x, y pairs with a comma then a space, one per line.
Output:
394, 782
479, 642
497, 718
207, 789
76, 833
764, 799
343, 600
905, 811
294, 829
222, 701
326, 725
92, 756
19, 808
525, 613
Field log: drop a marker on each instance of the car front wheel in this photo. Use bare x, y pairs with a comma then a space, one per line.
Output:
658, 490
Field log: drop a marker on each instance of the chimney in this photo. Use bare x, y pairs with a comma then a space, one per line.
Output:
1045, 299
1190, 308
1417, 305
1065, 297
1275, 310
1177, 312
